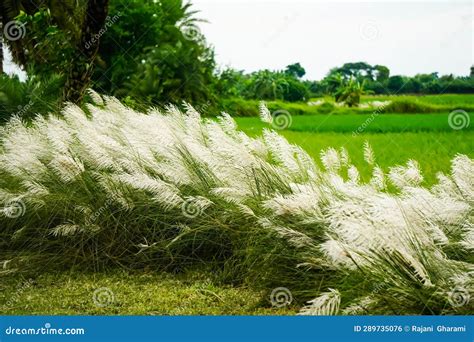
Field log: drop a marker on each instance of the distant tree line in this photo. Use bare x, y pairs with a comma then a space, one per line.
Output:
374, 79
265, 84
377, 79
151, 52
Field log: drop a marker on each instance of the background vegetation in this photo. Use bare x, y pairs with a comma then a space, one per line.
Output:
152, 53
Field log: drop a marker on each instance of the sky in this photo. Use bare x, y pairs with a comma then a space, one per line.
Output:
406, 36
409, 37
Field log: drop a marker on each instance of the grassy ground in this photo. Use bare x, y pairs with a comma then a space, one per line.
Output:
427, 138
362, 123
129, 294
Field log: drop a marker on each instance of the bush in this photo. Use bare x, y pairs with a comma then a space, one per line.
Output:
409, 106
240, 107
295, 91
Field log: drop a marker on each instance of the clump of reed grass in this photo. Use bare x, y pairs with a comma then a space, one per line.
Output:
170, 189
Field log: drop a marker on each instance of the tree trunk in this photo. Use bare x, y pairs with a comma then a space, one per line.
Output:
1, 46
80, 73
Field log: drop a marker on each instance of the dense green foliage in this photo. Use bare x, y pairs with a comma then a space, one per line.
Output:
154, 53
38, 95
151, 52
52, 45
378, 80
391, 104
264, 84
346, 84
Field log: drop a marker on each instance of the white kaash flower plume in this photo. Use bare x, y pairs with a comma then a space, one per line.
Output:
362, 306
345, 158
463, 175
265, 114
369, 155
327, 304
331, 159
404, 176
353, 174
378, 178
95, 97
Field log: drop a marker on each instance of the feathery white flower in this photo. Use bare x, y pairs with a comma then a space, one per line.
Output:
361, 307
327, 304
265, 114
330, 159
345, 158
95, 97
463, 175
353, 174
378, 178
404, 176
369, 155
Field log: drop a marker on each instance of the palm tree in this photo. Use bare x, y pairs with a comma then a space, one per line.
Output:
351, 92
268, 85
333, 83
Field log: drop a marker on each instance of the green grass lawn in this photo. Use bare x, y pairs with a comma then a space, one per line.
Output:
127, 293
426, 138
361, 123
